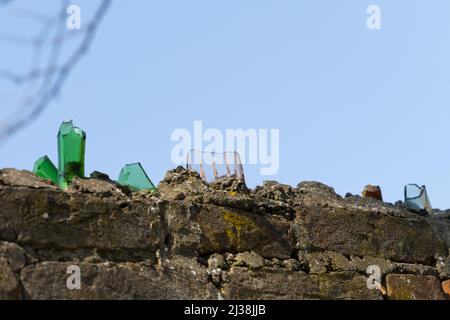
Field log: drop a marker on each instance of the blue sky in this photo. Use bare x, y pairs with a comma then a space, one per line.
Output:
353, 106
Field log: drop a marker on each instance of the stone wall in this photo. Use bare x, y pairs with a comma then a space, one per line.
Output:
191, 240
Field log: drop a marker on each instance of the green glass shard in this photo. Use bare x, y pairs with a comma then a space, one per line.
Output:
71, 149
62, 182
44, 168
134, 176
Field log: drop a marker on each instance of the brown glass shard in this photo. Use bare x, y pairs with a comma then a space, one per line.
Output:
374, 192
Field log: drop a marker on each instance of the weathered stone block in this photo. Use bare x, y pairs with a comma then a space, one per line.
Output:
47, 218
274, 283
179, 278
325, 221
413, 287
9, 282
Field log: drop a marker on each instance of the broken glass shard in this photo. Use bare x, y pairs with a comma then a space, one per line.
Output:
213, 165
62, 182
134, 176
416, 198
238, 166
71, 150
370, 191
45, 169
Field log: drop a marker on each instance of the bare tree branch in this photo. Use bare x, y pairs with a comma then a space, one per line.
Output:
43, 84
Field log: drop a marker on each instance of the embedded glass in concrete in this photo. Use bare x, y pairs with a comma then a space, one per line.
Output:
213, 165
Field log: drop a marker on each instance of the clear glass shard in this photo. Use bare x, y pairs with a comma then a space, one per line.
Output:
238, 168
44, 168
134, 176
416, 198
226, 164
212, 165
202, 171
